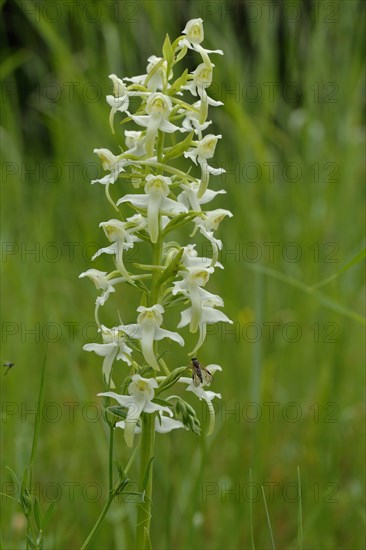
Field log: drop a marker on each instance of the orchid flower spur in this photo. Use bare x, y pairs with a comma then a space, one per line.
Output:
162, 173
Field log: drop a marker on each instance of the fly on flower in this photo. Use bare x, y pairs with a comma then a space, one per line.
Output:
200, 374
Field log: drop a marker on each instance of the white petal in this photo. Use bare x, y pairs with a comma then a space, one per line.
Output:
153, 216
112, 249
166, 424
121, 424
168, 127
172, 207
154, 407
132, 330
185, 317
109, 178
151, 133
142, 120
211, 315
147, 345
123, 400
133, 414
101, 349
141, 201
161, 333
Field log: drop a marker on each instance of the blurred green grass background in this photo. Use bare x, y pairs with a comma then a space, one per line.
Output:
292, 81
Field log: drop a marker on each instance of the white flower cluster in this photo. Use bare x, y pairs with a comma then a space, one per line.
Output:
167, 198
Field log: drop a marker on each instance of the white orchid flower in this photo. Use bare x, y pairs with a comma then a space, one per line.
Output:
101, 282
114, 347
147, 330
192, 119
155, 201
201, 79
209, 222
201, 393
115, 164
190, 258
194, 278
194, 36
158, 107
204, 150
135, 142
119, 101
156, 81
122, 237
189, 196
209, 315
163, 424
142, 393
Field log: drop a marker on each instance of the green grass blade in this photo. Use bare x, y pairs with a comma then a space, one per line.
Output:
40, 401
299, 512
355, 260
322, 298
268, 519
252, 544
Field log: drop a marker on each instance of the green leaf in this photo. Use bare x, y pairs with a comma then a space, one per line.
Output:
178, 83
147, 474
168, 51
121, 486
30, 542
172, 269
179, 220
48, 514
161, 402
118, 411
37, 512
121, 472
181, 54
171, 379
179, 148
16, 480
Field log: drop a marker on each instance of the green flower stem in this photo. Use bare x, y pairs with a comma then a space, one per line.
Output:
148, 420
144, 508
157, 253
111, 493
98, 522
110, 458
